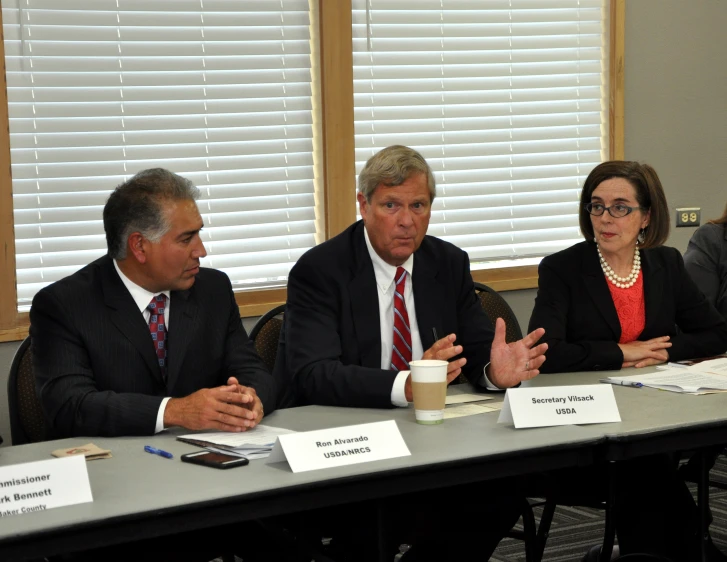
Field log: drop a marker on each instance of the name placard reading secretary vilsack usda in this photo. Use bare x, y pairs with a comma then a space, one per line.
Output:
559, 405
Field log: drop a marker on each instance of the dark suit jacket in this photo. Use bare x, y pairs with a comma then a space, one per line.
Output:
332, 329
95, 366
581, 325
706, 261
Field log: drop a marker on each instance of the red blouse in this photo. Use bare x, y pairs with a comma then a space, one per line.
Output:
630, 307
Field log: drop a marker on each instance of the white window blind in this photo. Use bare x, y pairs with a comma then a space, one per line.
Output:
218, 91
506, 99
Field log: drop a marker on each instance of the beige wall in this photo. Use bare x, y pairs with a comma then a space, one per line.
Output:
676, 100
676, 118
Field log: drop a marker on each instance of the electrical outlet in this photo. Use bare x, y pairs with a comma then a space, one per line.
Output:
688, 216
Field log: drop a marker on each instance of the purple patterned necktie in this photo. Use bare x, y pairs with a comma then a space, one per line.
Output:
158, 330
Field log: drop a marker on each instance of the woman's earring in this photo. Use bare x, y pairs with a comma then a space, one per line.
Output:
594, 239
641, 237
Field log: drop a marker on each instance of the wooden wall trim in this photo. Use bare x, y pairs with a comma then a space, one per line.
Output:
257, 303
508, 278
339, 159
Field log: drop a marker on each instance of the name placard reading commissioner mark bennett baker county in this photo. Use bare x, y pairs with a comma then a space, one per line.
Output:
37, 486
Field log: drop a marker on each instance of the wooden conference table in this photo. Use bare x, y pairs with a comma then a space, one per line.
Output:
138, 495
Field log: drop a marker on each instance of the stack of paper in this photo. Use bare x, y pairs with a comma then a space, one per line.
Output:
459, 404
252, 444
703, 378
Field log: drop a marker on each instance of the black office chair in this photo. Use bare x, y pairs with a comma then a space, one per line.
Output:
600, 553
27, 422
265, 335
495, 306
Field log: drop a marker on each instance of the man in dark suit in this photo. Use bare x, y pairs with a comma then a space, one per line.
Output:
338, 343
105, 363
345, 342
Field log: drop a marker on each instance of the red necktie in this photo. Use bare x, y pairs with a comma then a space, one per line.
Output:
401, 352
158, 330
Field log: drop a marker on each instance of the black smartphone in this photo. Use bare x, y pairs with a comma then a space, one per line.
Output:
215, 460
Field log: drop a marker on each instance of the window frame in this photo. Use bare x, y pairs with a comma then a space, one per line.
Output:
336, 160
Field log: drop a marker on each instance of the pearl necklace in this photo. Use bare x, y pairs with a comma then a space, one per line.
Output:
621, 282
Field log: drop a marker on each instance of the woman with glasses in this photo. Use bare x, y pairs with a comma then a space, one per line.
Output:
620, 298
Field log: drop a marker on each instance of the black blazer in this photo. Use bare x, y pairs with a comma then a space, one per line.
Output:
706, 261
582, 328
95, 366
332, 329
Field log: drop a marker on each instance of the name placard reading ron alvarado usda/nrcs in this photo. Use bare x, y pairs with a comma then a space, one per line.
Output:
559, 405
41, 485
352, 444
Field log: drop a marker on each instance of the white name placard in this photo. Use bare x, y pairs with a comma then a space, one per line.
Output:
340, 446
559, 405
41, 485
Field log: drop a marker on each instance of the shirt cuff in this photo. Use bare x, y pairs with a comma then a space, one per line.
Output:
160, 415
398, 396
484, 381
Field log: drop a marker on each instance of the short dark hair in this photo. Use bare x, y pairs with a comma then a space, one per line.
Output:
137, 206
649, 194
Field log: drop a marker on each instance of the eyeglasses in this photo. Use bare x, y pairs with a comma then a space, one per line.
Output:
616, 211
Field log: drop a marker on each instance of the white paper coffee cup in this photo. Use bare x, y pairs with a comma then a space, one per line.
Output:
429, 388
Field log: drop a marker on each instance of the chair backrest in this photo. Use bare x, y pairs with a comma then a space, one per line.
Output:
496, 307
265, 335
27, 422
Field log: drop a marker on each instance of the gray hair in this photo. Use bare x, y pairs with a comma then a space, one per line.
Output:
137, 206
392, 166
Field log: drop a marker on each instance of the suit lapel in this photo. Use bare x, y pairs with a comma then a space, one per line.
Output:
365, 303
652, 288
597, 288
427, 291
183, 324
125, 315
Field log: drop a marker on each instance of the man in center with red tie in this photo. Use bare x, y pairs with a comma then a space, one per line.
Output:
365, 303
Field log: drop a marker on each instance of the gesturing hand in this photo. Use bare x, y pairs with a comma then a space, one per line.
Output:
444, 350
225, 408
511, 363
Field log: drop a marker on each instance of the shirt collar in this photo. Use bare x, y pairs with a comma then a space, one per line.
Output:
141, 296
383, 271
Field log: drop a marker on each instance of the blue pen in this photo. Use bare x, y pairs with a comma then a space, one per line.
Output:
622, 383
155, 451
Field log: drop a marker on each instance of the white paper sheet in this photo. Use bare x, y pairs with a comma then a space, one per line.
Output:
466, 397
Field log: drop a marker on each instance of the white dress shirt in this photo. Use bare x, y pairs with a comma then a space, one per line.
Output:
142, 298
385, 288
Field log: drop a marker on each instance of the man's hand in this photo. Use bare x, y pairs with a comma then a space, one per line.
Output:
255, 405
226, 408
645, 353
444, 350
512, 363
